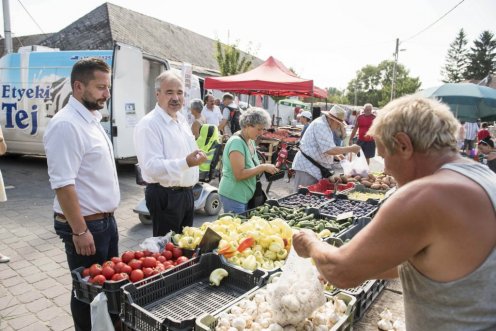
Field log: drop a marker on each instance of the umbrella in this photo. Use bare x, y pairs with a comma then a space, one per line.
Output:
294, 103
467, 101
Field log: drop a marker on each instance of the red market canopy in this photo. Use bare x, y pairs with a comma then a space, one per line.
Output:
270, 78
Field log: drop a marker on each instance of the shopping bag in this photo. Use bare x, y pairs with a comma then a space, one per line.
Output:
358, 166
100, 317
259, 197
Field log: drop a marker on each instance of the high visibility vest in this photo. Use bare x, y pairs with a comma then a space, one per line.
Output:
207, 141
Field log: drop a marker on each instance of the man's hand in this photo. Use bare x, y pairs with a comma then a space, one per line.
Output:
84, 244
355, 148
196, 158
303, 240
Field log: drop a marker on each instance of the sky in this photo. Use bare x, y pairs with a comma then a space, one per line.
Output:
324, 40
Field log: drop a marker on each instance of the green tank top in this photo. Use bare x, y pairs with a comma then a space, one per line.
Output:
241, 191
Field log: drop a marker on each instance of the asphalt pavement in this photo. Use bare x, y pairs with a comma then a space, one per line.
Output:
35, 285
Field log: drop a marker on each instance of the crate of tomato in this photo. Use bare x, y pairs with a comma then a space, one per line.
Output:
131, 266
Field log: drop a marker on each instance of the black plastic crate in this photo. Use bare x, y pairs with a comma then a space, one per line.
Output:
174, 301
342, 204
365, 295
349, 233
86, 292
273, 177
314, 199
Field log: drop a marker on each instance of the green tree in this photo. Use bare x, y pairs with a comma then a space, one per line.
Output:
335, 95
230, 60
456, 59
482, 57
372, 84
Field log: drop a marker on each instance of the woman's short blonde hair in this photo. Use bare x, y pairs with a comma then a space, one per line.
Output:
429, 123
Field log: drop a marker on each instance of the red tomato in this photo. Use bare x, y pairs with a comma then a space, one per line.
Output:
181, 259
177, 252
86, 272
135, 264
108, 263
161, 259
137, 275
118, 266
147, 272
147, 252
118, 277
150, 262
169, 246
138, 254
95, 270
116, 259
108, 272
127, 256
156, 255
167, 255
126, 269
99, 279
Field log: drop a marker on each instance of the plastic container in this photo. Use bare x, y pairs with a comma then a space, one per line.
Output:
327, 188
174, 301
342, 204
207, 322
86, 292
349, 233
303, 198
365, 295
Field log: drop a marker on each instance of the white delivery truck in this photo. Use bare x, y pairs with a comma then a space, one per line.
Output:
34, 85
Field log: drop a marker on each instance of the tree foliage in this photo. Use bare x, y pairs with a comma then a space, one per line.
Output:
230, 60
456, 60
372, 84
482, 57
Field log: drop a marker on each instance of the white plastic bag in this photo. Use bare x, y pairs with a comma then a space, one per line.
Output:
297, 292
156, 244
3, 194
100, 317
357, 166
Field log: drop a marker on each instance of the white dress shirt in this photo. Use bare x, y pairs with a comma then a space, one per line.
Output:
162, 145
80, 153
212, 116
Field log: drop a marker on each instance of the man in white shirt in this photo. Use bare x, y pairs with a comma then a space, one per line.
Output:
168, 157
471, 129
230, 115
210, 111
82, 172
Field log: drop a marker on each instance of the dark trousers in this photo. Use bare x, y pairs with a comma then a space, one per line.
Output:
106, 238
169, 209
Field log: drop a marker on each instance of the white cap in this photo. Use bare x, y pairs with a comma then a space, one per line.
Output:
307, 114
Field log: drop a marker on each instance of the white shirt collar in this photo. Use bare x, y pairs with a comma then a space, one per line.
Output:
88, 115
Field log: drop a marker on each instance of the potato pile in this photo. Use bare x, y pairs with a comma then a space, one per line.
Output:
375, 182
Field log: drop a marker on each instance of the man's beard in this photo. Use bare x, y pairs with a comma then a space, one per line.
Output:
92, 105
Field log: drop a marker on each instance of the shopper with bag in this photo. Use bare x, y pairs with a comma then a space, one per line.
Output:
315, 158
363, 124
437, 232
240, 164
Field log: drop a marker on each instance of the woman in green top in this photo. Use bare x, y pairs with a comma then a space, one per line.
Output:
240, 163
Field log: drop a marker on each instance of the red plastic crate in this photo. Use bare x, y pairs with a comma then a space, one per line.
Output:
328, 188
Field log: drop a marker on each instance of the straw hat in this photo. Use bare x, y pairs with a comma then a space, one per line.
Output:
337, 114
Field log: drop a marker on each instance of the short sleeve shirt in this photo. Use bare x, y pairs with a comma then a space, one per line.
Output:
318, 139
364, 122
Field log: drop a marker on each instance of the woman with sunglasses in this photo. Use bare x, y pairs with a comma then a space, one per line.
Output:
486, 147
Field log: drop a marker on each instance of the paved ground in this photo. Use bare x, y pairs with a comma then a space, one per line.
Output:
35, 284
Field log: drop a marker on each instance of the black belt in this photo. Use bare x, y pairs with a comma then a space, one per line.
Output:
95, 217
173, 188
